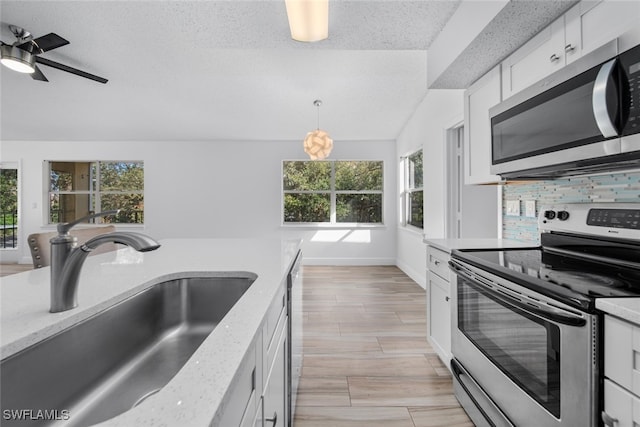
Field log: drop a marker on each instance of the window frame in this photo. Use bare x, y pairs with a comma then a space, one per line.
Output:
96, 193
332, 197
408, 190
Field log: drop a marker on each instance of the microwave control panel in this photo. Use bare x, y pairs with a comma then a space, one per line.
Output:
630, 61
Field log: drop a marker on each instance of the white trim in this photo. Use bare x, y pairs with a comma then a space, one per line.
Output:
348, 261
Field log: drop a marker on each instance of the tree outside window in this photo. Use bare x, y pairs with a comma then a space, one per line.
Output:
333, 192
78, 189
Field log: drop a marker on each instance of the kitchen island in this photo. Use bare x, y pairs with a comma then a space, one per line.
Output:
200, 394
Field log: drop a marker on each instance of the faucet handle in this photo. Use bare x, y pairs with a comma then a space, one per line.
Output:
64, 227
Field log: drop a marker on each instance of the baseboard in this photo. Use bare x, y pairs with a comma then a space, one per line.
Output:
348, 261
419, 277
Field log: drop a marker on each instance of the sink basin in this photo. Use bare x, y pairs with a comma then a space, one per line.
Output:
114, 360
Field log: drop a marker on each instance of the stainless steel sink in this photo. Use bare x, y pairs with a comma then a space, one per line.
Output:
114, 360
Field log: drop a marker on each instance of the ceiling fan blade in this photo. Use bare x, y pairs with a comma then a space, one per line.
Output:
38, 75
49, 63
50, 41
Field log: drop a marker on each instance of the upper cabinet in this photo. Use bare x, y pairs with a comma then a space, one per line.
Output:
482, 95
585, 27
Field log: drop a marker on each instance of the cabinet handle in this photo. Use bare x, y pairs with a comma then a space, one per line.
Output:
273, 420
446, 299
569, 48
436, 262
608, 420
554, 58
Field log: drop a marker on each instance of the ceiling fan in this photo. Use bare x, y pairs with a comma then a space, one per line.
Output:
23, 55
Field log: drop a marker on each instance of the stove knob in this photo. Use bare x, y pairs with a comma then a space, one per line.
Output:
563, 215
549, 214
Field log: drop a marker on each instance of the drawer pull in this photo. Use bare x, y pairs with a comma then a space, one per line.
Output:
273, 420
569, 48
608, 420
436, 262
554, 58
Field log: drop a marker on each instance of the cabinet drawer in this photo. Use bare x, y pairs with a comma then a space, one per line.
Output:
273, 316
622, 353
621, 406
437, 262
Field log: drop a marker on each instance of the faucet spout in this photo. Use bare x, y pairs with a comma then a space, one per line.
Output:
66, 266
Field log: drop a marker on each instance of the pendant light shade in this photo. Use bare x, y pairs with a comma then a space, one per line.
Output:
17, 59
308, 19
318, 144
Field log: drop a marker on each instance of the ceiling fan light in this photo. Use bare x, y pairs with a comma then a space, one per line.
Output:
308, 19
17, 59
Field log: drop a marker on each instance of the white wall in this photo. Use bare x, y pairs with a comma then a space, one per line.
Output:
426, 129
216, 189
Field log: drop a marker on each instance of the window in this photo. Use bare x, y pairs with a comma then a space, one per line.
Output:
77, 189
332, 192
412, 194
8, 206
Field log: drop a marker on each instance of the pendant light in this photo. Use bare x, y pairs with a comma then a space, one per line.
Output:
318, 144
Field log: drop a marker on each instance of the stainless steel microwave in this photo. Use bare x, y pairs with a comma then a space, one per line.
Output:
582, 119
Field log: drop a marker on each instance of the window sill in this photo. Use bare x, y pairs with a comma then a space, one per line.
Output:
412, 230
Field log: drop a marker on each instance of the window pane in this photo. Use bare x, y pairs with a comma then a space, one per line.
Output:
131, 208
68, 207
358, 175
306, 176
415, 214
415, 170
307, 207
8, 207
70, 176
359, 208
123, 176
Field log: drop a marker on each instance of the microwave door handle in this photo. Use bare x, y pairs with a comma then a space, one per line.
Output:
545, 313
599, 100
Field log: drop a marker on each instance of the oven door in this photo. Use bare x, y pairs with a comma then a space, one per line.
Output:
530, 357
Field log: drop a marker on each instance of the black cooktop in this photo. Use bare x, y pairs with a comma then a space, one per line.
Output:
575, 280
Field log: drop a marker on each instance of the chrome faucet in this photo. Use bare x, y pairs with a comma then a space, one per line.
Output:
67, 258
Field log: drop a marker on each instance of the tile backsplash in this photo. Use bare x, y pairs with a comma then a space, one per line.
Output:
620, 187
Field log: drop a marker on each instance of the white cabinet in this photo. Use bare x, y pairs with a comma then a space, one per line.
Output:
482, 95
275, 410
583, 28
622, 373
438, 303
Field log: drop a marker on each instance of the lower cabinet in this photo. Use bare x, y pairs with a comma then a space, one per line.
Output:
275, 409
622, 373
439, 317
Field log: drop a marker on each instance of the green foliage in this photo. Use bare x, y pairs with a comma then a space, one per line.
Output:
8, 196
415, 170
356, 191
416, 208
358, 176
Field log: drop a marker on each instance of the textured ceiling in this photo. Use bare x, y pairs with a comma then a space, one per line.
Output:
220, 70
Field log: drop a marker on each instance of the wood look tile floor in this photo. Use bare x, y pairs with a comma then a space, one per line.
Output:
367, 361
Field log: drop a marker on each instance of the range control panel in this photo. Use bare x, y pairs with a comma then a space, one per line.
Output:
621, 220
614, 218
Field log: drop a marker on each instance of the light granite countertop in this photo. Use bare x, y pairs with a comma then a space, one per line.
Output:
196, 394
448, 245
625, 308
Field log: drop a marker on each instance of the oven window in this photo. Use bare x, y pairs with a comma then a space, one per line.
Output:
524, 347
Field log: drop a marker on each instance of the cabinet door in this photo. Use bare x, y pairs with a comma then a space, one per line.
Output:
275, 391
439, 316
590, 24
536, 59
622, 408
480, 96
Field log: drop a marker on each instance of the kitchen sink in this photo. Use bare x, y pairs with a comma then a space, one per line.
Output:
114, 360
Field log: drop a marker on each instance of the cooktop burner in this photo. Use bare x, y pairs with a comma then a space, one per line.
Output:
558, 273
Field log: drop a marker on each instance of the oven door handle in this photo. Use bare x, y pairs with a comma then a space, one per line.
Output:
546, 313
